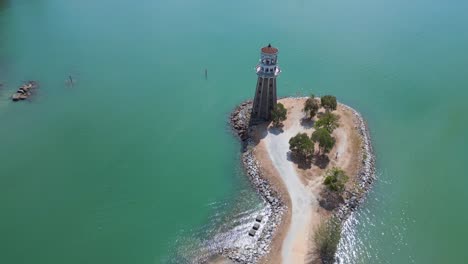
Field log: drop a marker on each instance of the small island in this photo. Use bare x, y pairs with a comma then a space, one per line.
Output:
311, 160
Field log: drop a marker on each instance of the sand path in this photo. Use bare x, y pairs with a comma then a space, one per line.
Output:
304, 185
303, 201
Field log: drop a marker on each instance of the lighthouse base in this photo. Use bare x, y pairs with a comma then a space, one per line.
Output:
264, 100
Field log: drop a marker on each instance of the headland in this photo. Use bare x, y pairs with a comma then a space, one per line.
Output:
300, 203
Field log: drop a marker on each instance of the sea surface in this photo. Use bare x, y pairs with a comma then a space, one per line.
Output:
135, 163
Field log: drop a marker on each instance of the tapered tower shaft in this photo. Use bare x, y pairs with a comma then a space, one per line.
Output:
265, 92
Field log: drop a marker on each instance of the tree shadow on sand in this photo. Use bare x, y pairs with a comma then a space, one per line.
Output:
302, 163
276, 130
313, 257
321, 160
258, 131
330, 200
307, 122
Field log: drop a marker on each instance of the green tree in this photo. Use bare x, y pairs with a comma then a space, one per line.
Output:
324, 139
329, 102
278, 114
335, 179
326, 238
329, 121
311, 106
301, 145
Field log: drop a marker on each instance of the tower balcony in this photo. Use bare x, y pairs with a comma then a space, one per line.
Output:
267, 72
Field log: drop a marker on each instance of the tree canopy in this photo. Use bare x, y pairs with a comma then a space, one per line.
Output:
311, 106
335, 179
329, 121
301, 145
329, 102
324, 139
278, 114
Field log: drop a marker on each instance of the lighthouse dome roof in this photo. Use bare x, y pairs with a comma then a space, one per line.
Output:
269, 49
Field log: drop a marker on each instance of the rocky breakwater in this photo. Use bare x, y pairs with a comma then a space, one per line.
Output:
240, 121
366, 173
252, 252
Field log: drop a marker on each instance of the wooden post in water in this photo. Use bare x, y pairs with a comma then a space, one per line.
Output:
71, 80
206, 74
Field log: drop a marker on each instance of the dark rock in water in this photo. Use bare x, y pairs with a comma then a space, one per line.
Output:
15, 97
24, 91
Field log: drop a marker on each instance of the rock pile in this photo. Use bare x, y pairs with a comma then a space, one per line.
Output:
24, 91
240, 120
366, 175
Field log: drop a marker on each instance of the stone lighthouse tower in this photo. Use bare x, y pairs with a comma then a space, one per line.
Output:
265, 93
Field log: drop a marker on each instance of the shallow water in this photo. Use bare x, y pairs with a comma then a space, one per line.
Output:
136, 157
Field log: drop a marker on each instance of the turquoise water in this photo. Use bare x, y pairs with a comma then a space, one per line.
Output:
136, 160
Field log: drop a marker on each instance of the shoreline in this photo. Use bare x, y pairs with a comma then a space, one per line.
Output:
366, 173
276, 205
273, 194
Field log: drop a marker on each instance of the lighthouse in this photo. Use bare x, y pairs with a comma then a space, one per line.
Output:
265, 94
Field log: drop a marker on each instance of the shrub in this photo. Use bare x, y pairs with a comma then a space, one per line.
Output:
278, 114
328, 102
326, 238
311, 106
335, 179
328, 121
